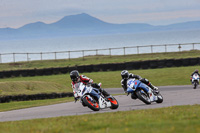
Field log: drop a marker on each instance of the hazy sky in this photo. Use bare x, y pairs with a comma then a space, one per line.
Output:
16, 13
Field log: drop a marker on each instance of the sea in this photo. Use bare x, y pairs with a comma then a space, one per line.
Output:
80, 46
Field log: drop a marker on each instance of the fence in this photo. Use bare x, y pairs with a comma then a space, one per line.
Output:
16, 57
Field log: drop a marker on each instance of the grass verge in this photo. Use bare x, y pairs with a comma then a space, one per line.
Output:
110, 79
30, 87
34, 103
174, 119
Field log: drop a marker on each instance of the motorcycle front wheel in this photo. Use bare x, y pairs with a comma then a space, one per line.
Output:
195, 85
91, 103
160, 98
143, 96
114, 103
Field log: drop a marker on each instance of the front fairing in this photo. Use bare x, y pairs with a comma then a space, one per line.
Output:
81, 89
195, 77
132, 85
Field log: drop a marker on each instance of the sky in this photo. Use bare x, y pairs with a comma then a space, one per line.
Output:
16, 13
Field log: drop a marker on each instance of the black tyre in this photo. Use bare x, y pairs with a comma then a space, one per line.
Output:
84, 105
195, 84
160, 98
114, 103
133, 96
93, 105
143, 97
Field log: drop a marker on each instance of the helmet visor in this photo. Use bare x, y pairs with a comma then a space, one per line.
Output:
125, 76
74, 78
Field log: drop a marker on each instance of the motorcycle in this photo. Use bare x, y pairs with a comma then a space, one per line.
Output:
195, 80
83, 93
143, 92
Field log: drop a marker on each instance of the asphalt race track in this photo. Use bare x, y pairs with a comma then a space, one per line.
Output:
173, 95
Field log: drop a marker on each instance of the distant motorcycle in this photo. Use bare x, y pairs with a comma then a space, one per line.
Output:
82, 92
139, 90
195, 80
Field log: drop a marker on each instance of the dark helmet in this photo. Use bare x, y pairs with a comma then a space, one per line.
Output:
125, 74
196, 71
74, 75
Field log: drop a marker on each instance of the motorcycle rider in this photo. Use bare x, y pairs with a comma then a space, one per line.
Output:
195, 72
75, 77
126, 75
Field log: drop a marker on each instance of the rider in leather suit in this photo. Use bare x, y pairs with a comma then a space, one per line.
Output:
75, 77
126, 75
195, 72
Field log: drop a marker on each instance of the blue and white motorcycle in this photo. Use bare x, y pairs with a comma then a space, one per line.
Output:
139, 90
195, 80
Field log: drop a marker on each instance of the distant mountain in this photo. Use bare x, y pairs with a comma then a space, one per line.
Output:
84, 24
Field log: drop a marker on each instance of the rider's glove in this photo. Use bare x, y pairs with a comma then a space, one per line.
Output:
90, 81
95, 85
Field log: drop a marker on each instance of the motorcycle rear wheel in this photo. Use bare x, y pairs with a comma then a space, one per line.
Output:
93, 105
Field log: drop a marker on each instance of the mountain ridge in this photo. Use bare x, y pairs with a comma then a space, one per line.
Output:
84, 24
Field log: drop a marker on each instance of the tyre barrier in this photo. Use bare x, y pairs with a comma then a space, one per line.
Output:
5, 99
149, 64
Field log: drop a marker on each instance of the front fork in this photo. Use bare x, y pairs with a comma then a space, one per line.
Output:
103, 103
152, 96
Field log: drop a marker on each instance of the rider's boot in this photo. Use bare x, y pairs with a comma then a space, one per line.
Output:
155, 89
146, 81
152, 86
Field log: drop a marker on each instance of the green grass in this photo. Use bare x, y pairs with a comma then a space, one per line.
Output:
110, 79
177, 119
34, 103
99, 59
30, 87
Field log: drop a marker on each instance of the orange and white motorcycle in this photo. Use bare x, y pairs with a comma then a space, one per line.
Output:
93, 98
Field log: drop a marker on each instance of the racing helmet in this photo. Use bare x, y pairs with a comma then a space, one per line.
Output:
196, 71
125, 74
74, 75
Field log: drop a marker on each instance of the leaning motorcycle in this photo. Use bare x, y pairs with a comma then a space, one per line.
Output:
139, 90
82, 92
195, 80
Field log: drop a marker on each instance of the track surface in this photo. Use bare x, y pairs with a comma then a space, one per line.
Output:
173, 95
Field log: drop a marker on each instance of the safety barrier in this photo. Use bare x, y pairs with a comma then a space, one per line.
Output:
4, 99
149, 64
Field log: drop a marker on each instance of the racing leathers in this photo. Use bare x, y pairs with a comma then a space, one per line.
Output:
87, 81
84, 79
195, 72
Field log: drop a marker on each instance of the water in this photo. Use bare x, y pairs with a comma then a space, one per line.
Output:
95, 42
